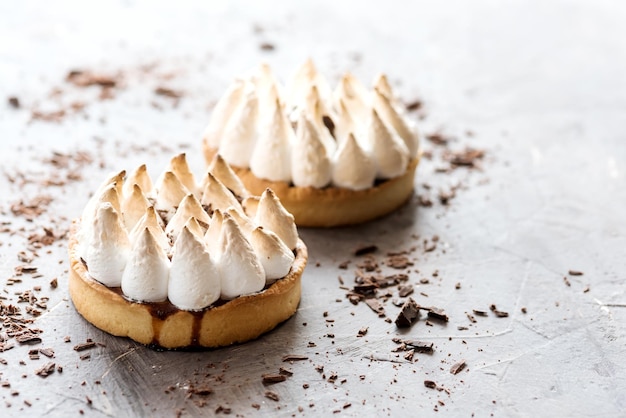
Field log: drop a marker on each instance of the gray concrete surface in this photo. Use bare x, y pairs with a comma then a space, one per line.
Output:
539, 85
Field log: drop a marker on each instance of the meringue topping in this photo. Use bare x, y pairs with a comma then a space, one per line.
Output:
265, 131
390, 152
241, 271
354, 169
222, 112
222, 171
180, 168
272, 215
194, 280
310, 165
211, 253
146, 275
108, 247
141, 178
134, 206
271, 157
240, 132
217, 196
189, 208
275, 256
152, 221
170, 191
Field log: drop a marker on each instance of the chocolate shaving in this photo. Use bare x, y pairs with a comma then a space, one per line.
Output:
84, 346
269, 379
294, 357
376, 306
419, 346
368, 249
457, 367
437, 313
272, 395
46, 370
399, 262
575, 273
414, 105
404, 291
167, 92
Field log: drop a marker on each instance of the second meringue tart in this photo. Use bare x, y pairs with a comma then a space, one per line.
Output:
332, 157
182, 264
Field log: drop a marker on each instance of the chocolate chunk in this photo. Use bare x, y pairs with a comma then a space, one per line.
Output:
362, 332
48, 352
376, 306
14, 102
408, 314
365, 250
457, 367
45, 370
404, 291
329, 124
272, 395
269, 379
430, 384
414, 105
294, 357
84, 346
479, 313
399, 262
437, 313
266, 46
419, 346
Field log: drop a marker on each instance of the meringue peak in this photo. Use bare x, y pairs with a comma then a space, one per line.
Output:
170, 191
179, 166
141, 178
310, 164
189, 208
146, 274
354, 169
272, 215
392, 118
224, 173
222, 112
217, 196
390, 153
275, 256
134, 206
239, 135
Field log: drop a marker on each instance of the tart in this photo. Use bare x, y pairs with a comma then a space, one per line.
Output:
182, 264
334, 158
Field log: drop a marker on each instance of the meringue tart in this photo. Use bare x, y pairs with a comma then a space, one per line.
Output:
181, 263
334, 158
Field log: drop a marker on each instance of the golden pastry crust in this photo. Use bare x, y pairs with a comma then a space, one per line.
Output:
162, 324
332, 206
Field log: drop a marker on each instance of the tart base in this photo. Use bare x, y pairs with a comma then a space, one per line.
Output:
332, 206
162, 324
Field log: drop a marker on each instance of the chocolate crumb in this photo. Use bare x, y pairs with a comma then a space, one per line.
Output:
414, 105
266, 46
272, 395
167, 92
14, 102
408, 315
344, 265
586, 289
269, 379
362, 332
285, 372
457, 367
368, 249
294, 357
523, 309
566, 281
45, 370
575, 273
54, 283
479, 313
84, 346
430, 384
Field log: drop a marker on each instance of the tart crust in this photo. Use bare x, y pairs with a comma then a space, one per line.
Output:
162, 324
332, 206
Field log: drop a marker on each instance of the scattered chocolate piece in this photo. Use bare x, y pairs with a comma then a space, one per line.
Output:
54, 283
457, 286
438, 138
344, 265
14, 102
294, 357
566, 281
221, 409
368, 249
499, 314
437, 313
430, 384
406, 290
586, 289
272, 395
523, 309
48, 352
414, 105
466, 158
45, 370
167, 92
285, 372
362, 332
376, 306
82, 78
269, 379
84, 346
419, 346
479, 313
408, 314
575, 273
399, 261
266, 46
457, 367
